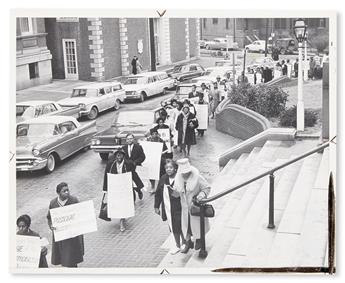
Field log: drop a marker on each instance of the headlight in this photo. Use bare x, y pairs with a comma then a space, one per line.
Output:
95, 142
117, 141
82, 106
35, 152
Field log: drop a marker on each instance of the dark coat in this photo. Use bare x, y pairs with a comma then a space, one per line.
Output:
112, 168
190, 138
137, 155
43, 260
67, 252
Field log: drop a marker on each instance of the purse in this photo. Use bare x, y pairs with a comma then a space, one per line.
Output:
103, 212
195, 209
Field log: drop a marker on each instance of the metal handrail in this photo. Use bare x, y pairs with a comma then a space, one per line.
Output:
270, 173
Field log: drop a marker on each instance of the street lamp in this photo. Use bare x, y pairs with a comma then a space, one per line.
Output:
300, 30
305, 69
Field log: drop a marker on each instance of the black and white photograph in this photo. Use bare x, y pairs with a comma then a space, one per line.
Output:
173, 141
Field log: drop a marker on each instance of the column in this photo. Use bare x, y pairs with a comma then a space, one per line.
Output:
164, 40
96, 48
197, 22
124, 46
187, 38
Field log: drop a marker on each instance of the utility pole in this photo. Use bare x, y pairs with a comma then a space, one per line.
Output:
152, 45
266, 38
244, 64
233, 54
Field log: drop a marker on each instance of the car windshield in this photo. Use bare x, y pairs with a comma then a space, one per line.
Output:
36, 130
177, 68
24, 110
135, 81
83, 92
134, 118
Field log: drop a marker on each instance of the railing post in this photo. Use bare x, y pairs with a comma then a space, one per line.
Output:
271, 203
203, 252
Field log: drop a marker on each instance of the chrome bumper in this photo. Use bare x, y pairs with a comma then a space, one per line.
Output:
31, 164
105, 148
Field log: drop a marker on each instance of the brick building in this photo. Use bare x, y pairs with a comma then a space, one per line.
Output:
249, 29
33, 59
96, 49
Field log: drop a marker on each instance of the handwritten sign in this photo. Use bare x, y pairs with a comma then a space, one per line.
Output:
153, 152
165, 136
28, 251
202, 116
73, 220
120, 195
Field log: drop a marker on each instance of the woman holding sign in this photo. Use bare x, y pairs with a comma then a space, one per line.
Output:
169, 201
23, 224
67, 252
186, 124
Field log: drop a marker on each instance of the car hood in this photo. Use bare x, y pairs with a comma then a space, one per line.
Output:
72, 101
134, 87
122, 131
26, 144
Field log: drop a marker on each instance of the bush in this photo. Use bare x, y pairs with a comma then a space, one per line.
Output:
288, 118
320, 42
269, 101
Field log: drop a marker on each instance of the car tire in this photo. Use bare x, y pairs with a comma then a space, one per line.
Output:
93, 113
165, 91
142, 96
117, 105
104, 156
51, 163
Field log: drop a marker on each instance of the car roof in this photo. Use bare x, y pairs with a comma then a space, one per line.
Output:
34, 102
50, 120
97, 85
285, 38
147, 74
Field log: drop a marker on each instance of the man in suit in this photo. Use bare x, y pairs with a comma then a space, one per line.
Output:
194, 92
134, 153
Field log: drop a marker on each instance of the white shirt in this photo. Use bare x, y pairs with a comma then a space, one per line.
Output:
119, 166
62, 202
130, 148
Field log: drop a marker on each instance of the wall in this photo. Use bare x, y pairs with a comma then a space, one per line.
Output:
193, 40
177, 39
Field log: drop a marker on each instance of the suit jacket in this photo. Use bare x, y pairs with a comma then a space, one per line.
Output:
137, 155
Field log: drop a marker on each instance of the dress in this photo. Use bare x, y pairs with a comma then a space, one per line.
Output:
186, 133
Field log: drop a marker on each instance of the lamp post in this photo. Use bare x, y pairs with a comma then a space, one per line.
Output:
305, 69
300, 31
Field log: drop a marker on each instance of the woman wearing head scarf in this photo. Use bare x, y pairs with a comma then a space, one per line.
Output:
23, 225
67, 252
168, 203
186, 124
190, 184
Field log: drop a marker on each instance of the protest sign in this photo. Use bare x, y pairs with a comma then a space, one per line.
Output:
165, 136
28, 251
153, 153
120, 195
289, 70
73, 220
250, 78
202, 115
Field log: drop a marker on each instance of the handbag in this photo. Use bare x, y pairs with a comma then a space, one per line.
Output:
103, 212
195, 209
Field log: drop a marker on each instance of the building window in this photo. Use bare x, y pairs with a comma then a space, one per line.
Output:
204, 22
33, 70
25, 25
227, 23
215, 21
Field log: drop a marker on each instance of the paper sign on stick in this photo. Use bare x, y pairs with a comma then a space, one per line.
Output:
153, 153
202, 115
73, 220
28, 251
120, 195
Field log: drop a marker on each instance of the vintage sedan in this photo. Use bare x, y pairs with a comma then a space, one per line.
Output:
187, 71
138, 122
221, 43
43, 141
95, 98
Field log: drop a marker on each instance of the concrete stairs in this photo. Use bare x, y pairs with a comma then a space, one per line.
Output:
239, 236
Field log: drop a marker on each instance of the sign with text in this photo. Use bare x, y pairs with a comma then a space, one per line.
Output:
153, 152
165, 136
73, 220
202, 115
28, 251
120, 195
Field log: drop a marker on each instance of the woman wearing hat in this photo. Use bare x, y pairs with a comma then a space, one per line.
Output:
118, 165
190, 184
67, 252
23, 225
168, 203
186, 124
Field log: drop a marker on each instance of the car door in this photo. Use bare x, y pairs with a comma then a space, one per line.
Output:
110, 96
69, 142
119, 92
49, 109
103, 94
158, 86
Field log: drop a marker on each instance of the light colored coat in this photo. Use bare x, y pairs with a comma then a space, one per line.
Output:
195, 184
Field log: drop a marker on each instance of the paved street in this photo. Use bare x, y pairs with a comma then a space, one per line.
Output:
140, 245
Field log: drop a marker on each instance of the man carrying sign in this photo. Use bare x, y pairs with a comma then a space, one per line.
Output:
67, 252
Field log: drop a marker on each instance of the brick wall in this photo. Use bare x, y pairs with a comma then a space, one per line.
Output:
177, 39
193, 38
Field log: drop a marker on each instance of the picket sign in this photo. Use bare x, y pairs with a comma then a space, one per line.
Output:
165, 136
28, 251
202, 116
153, 153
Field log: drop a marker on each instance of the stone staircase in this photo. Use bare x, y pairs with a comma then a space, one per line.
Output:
239, 236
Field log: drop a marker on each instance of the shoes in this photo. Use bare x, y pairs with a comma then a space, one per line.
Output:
122, 225
174, 250
197, 244
140, 194
185, 247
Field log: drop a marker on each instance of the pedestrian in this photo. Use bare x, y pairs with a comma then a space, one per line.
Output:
242, 79
190, 184
191, 106
161, 126
23, 225
193, 93
205, 91
168, 204
311, 68
295, 68
201, 101
118, 165
68, 252
215, 99
134, 65
139, 66
134, 153
284, 68
154, 137
289, 68
186, 124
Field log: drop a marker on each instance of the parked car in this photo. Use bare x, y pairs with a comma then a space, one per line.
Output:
187, 71
138, 122
147, 84
262, 62
286, 45
36, 108
256, 46
213, 72
95, 98
220, 43
43, 141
